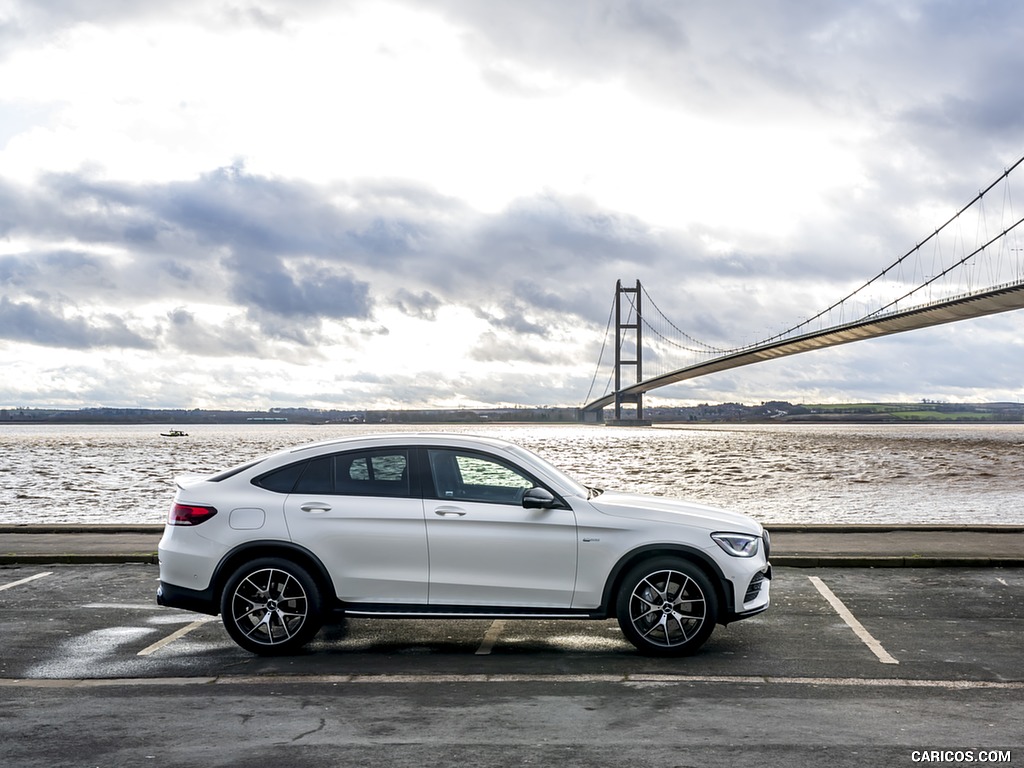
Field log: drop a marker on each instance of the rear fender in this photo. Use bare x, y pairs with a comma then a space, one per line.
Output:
252, 550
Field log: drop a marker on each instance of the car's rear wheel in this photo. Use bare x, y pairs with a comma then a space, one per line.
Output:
271, 606
666, 606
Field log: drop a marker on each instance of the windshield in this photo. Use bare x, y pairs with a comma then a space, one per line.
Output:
576, 489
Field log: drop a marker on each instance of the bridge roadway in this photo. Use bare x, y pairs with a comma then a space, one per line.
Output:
1003, 298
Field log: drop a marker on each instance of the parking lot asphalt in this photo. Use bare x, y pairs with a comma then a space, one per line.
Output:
76, 622
868, 546
850, 667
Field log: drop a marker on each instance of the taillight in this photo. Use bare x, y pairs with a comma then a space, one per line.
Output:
189, 514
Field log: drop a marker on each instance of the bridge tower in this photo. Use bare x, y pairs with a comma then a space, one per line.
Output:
628, 318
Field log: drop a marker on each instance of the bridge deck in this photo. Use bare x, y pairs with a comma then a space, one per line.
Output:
1000, 299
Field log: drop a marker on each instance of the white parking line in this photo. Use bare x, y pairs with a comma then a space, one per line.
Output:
25, 581
851, 621
174, 636
490, 637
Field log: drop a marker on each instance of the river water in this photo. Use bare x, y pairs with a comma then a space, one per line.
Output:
821, 474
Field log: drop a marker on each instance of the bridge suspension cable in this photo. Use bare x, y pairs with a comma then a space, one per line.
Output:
701, 346
943, 273
979, 198
600, 357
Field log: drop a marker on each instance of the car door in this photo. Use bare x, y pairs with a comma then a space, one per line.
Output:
485, 548
360, 514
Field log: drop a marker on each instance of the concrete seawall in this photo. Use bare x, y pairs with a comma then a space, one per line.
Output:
801, 546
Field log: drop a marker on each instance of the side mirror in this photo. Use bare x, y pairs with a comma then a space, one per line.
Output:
539, 498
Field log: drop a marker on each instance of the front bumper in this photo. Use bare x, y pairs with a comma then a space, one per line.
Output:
756, 597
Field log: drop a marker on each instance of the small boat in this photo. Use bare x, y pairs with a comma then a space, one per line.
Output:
174, 433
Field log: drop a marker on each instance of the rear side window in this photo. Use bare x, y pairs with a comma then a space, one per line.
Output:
318, 476
376, 473
281, 480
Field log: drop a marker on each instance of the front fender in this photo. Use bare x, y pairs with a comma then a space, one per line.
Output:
723, 586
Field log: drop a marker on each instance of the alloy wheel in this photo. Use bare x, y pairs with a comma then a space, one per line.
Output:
667, 608
269, 606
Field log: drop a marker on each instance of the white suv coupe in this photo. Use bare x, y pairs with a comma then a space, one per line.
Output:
438, 525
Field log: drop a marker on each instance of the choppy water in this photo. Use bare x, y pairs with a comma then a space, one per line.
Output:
776, 473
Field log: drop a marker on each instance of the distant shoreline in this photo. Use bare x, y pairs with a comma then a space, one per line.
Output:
925, 412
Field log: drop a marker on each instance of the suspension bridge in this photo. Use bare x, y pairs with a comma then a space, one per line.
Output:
970, 266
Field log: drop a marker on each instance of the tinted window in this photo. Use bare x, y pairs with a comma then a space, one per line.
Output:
281, 480
317, 477
383, 473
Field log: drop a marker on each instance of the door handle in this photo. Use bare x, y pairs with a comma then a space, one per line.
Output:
315, 506
445, 511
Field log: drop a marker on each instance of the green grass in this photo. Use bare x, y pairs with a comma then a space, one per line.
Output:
905, 411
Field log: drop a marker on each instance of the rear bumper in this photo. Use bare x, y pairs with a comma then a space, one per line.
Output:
200, 601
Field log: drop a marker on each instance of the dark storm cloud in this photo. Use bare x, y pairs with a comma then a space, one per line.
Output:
282, 248
227, 208
278, 247
34, 272
34, 324
277, 293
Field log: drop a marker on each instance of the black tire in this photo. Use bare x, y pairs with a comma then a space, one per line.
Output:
271, 606
666, 606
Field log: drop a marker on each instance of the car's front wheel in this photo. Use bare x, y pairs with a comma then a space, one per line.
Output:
666, 606
271, 606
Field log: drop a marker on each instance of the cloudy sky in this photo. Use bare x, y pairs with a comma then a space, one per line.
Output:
427, 203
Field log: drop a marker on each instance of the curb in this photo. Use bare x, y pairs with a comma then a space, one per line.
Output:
155, 529
913, 561
76, 558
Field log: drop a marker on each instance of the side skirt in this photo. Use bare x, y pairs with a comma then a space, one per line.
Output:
388, 611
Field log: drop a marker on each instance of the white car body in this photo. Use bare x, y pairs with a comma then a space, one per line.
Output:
441, 545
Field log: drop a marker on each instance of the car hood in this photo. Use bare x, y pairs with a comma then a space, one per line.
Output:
665, 510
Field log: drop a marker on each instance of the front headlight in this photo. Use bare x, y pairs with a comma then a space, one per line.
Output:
737, 544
